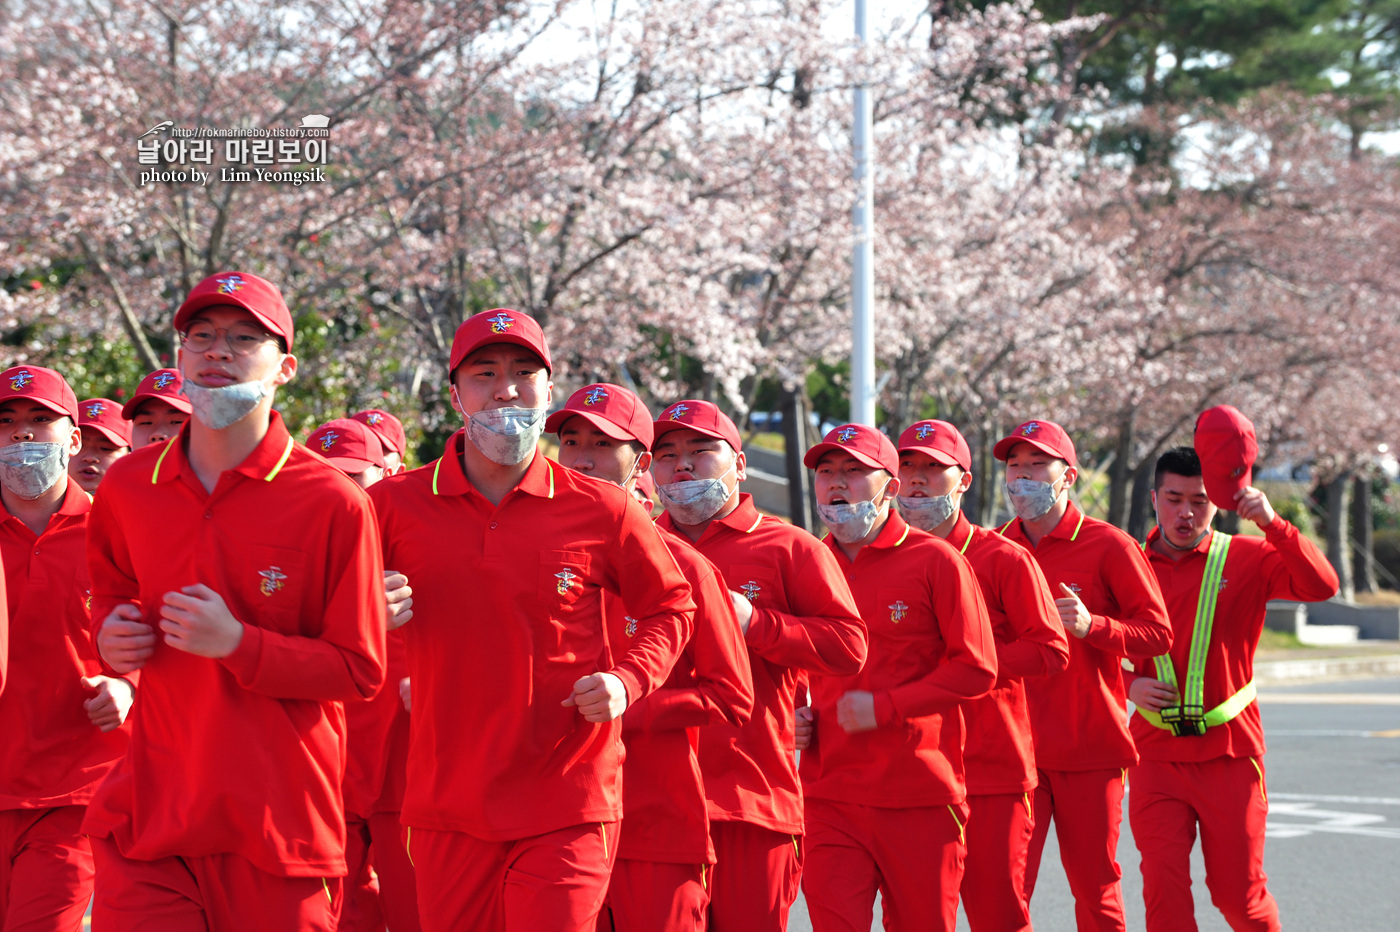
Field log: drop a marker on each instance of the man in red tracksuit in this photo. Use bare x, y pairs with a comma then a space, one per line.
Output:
884, 777
934, 471
1110, 605
158, 410
241, 574
60, 718
379, 886
660, 880
515, 754
1211, 776
797, 615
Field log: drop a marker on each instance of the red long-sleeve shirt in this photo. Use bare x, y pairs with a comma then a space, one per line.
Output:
804, 618
1080, 717
663, 792
1031, 642
376, 732
245, 754
507, 616
1283, 564
51, 754
931, 649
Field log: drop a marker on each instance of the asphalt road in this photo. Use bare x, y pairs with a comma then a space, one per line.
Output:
1333, 849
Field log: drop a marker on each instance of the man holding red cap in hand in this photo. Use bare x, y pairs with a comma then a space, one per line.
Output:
1110, 605
60, 718
240, 573
1197, 726
106, 439
389, 430
158, 409
883, 777
514, 785
660, 880
797, 615
934, 472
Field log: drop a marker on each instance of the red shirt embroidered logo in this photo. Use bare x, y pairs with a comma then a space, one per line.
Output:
751, 590
631, 628
272, 578
566, 580
898, 611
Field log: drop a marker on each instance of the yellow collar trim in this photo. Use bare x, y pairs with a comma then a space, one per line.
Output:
155, 473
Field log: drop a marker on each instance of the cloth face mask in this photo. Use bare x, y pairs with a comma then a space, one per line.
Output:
695, 500
224, 405
1031, 499
852, 522
30, 469
506, 436
926, 513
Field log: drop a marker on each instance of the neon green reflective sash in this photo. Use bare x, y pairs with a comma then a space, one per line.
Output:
1189, 718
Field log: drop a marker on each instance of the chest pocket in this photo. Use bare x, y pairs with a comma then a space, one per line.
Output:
272, 587
761, 585
564, 580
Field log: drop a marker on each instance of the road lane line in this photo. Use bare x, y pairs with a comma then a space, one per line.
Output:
1312, 798
1330, 698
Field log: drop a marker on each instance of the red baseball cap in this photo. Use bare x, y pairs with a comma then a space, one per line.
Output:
388, 428
1227, 446
105, 416
864, 443
614, 410
257, 296
498, 325
163, 384
351, 447
40, 385
938, 439
1046, 436
702, 416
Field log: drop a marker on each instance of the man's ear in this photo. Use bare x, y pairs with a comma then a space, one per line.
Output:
75, 441
287, 370
965, 481
1071, 476
643, 462
740, 464
891, 490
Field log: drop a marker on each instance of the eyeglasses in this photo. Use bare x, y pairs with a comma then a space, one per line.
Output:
242, 339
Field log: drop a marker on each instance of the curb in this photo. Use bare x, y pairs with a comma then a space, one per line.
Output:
1289, 671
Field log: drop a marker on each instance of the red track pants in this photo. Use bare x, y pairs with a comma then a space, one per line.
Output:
912, 857
553, 882
1087, 807
994, 876
45, 869
380, 888
1228, 799
656, 896
213, 893
756, 877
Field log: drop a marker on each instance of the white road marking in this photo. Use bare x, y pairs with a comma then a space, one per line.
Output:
1330, 733
1354, 800
1327, 820
1330, 698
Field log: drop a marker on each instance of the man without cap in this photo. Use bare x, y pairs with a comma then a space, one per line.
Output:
664, 857
62, 720
514, 770
106, 439
1202, 755
379, 886
884, 776
240, 573
797, 615
158, 409
1110, 605
935, 470
390, 432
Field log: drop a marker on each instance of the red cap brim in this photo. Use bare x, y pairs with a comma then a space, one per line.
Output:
350, 465
110, 434
666, 427
1221, 488
938, 456
558, 419
1006, 444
